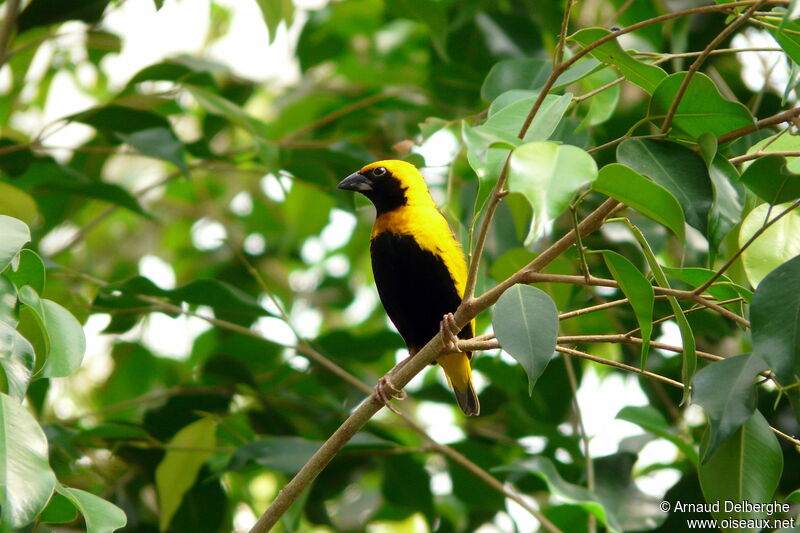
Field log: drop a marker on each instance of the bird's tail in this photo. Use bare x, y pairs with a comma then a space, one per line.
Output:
459, 375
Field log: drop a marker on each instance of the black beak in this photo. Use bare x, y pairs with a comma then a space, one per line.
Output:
355, 182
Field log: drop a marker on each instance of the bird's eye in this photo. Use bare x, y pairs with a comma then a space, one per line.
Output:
378, 171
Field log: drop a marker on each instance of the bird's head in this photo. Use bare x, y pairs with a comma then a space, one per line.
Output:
389, 185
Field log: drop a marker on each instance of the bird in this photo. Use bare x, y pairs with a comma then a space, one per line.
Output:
419, 269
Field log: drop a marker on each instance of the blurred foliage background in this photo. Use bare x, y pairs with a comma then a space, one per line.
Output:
185, 212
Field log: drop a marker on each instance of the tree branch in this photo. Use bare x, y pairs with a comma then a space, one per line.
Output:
305, 347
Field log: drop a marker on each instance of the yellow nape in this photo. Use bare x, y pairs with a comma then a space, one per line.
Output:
410, 178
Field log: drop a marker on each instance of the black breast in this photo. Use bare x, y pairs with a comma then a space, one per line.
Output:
415, 287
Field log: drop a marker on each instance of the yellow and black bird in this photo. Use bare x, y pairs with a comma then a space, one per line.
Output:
419, 266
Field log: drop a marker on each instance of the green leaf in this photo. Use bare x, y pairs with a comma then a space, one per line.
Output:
726, 390
775, 320
26, 480
487, 151
47, 177
687, 337
430, 14
15, 158
60, 510
17, 203
100, 43
778, 143
177, 471
639, 292
650, 419
746, 467
107, 192
648, 197
645, 76
64, 339
29, 271
722, 289
779, 243
510, 118
100, 515
638, 11
178, 70
511, 261
275, 12
726, 206
219, 105
787, 36
770, 178
525, 321
409, 472
679, 170
159, 143
17, 360
548, 175
577, 72
603, 104
702, 108
614, 485
44, 13
281, 454
289, 454
13, 235
216, 294
118, 119
517, 73
544, 469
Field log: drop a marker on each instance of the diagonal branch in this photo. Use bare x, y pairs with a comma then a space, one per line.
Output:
305, 347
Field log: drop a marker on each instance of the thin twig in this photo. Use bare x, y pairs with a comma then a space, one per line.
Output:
658, 377
538, 277
744, 247
617, 364
685, 312
779, 118
762, 153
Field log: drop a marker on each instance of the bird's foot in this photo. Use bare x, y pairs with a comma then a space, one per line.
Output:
449, 332
385, 391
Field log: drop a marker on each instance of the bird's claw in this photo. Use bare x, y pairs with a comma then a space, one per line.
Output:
385, 391
449, 332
